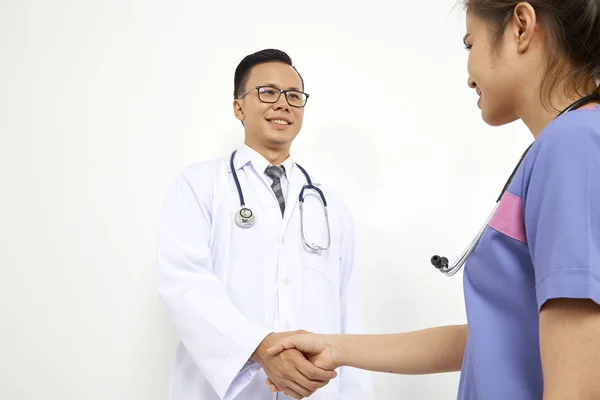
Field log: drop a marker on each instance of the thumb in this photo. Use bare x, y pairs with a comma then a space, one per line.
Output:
319, 363
279, 347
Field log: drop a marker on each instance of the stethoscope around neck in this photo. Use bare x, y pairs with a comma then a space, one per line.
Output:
441, 263
245, 218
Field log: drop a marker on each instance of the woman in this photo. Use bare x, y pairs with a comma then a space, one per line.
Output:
532, 285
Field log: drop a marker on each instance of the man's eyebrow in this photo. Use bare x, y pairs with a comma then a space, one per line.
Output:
275, 86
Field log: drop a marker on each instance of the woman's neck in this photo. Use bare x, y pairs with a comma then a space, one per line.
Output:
536, 117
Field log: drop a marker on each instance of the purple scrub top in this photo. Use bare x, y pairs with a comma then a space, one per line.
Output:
543, 242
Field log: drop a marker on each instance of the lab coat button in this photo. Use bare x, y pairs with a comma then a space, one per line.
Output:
287, 325
285, 281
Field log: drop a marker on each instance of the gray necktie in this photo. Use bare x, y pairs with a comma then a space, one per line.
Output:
275, 173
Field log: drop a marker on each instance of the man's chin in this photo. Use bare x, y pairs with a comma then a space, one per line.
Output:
281, 138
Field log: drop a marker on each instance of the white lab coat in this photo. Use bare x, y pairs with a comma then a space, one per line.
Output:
227, 287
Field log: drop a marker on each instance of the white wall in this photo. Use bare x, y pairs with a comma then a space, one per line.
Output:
102, 102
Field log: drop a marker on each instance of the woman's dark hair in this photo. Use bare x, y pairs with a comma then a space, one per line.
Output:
242, 72
573, 37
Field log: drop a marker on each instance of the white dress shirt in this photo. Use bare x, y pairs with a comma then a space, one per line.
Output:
287, 165
228, 287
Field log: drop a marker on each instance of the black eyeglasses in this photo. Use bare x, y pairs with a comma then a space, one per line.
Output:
270, 94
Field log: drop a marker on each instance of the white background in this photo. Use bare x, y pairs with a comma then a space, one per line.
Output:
102, 103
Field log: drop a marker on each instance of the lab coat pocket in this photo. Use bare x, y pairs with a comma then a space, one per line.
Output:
323, 264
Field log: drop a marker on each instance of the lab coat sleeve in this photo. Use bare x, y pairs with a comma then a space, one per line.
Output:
219, 338
355, 384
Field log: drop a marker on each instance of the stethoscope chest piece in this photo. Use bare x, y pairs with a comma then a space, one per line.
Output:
244, 218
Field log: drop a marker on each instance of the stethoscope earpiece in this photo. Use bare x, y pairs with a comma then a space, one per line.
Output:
439, 262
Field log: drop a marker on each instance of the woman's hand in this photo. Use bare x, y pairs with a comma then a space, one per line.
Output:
321, 350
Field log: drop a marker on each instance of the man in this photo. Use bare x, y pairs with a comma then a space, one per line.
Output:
236, 270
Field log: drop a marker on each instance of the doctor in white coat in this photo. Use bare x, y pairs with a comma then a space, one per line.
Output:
232, 291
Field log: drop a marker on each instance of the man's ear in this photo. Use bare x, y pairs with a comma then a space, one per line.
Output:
238, 111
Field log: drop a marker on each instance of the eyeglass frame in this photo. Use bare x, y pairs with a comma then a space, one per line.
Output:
257, 88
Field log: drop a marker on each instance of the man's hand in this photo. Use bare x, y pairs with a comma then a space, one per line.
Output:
314, 347
321, 350
289, 371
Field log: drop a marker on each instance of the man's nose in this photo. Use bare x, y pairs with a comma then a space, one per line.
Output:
281, 103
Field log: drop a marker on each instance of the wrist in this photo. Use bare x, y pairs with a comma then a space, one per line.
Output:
339, 350
259, 353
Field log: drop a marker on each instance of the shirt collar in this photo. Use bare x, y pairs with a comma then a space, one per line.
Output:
288, 164
246, 155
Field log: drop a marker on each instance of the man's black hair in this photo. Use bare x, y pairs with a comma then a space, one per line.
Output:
242, 72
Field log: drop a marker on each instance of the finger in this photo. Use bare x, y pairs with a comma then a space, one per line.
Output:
318, 362
287, 343
314, 373
302, 368
292, 393
279, 347
273, 387
297, 389
310, 384
294, 379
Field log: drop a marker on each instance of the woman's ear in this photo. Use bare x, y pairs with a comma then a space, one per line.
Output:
524, 20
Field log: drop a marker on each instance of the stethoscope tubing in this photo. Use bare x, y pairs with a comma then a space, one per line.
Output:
245, 217
441, 263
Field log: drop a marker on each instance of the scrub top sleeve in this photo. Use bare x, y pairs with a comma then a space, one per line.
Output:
562, 213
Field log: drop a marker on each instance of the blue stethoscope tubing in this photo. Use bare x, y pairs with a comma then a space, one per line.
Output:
245, 216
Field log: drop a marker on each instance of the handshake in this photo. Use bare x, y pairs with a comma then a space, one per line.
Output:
296, 363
